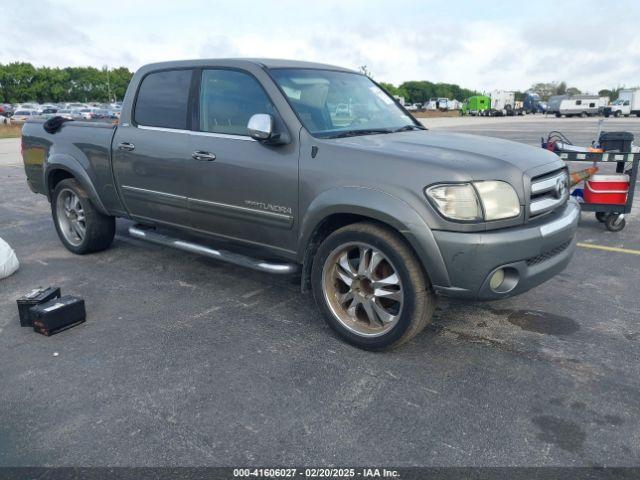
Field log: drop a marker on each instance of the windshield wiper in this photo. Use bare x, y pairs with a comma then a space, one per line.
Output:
407, 128
355, 133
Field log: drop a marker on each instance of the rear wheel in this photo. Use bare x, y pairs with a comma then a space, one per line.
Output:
371, 287
80, 226
617, 114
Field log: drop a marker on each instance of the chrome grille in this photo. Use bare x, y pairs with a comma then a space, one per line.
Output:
548, 192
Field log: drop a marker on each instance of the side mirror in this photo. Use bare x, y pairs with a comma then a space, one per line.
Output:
260, 127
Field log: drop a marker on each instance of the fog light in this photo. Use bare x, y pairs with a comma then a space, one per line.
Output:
496, 279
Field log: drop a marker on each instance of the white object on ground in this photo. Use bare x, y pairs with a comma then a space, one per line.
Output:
8, 260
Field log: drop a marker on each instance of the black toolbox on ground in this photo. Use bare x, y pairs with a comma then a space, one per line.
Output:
58, 314
616, 141
34, 297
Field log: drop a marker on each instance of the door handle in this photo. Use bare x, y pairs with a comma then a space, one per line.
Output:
203, 156
129, 147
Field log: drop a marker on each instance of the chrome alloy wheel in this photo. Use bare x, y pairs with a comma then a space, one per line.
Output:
363, 289
71, 217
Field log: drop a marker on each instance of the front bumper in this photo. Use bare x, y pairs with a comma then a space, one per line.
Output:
532, 254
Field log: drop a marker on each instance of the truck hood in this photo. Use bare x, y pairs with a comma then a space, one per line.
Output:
475, 155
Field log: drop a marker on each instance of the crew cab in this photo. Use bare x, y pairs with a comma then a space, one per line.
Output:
257, 162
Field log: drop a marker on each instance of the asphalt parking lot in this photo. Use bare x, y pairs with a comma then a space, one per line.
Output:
186, 361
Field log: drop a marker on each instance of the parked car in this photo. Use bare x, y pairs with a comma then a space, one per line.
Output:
23, 115
27, 106
377, 215
66, 113
101, 114
48, 107
76, 106
86, 113
6, 110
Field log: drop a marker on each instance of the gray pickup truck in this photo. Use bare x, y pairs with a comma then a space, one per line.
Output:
309, 169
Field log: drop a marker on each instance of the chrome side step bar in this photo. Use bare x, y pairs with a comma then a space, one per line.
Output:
229, 257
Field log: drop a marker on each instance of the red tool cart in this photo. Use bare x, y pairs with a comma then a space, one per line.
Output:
610, 196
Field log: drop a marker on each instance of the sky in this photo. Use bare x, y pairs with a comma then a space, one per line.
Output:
483, 45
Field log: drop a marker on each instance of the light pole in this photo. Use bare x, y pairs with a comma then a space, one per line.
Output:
105, 68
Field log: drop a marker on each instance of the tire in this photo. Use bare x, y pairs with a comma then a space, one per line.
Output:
558, 115
614, 223
617, 114
370, 316
601, 216
80, 226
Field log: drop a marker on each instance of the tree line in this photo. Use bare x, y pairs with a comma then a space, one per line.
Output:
22, 82
546, 90
422, 91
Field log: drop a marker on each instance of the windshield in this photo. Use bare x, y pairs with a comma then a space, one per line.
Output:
335, 104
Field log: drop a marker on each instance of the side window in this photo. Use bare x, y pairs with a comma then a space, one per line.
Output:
578, 102
591, 105
163, 98
228, 99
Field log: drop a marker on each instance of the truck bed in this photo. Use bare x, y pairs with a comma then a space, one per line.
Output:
79, 148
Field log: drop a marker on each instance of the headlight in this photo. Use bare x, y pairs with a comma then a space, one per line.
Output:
488, 200
456, 201
499, 200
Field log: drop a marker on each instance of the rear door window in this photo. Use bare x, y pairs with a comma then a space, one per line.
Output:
163, 98
228, 99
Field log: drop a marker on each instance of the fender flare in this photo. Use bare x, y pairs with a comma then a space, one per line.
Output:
72, 166
380, 206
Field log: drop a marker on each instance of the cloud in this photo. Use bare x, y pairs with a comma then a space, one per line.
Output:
473, 44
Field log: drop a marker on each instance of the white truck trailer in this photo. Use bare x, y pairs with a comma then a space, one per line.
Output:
503, 102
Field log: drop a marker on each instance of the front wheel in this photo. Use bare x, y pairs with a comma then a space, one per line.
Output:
80, 226
371, 287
